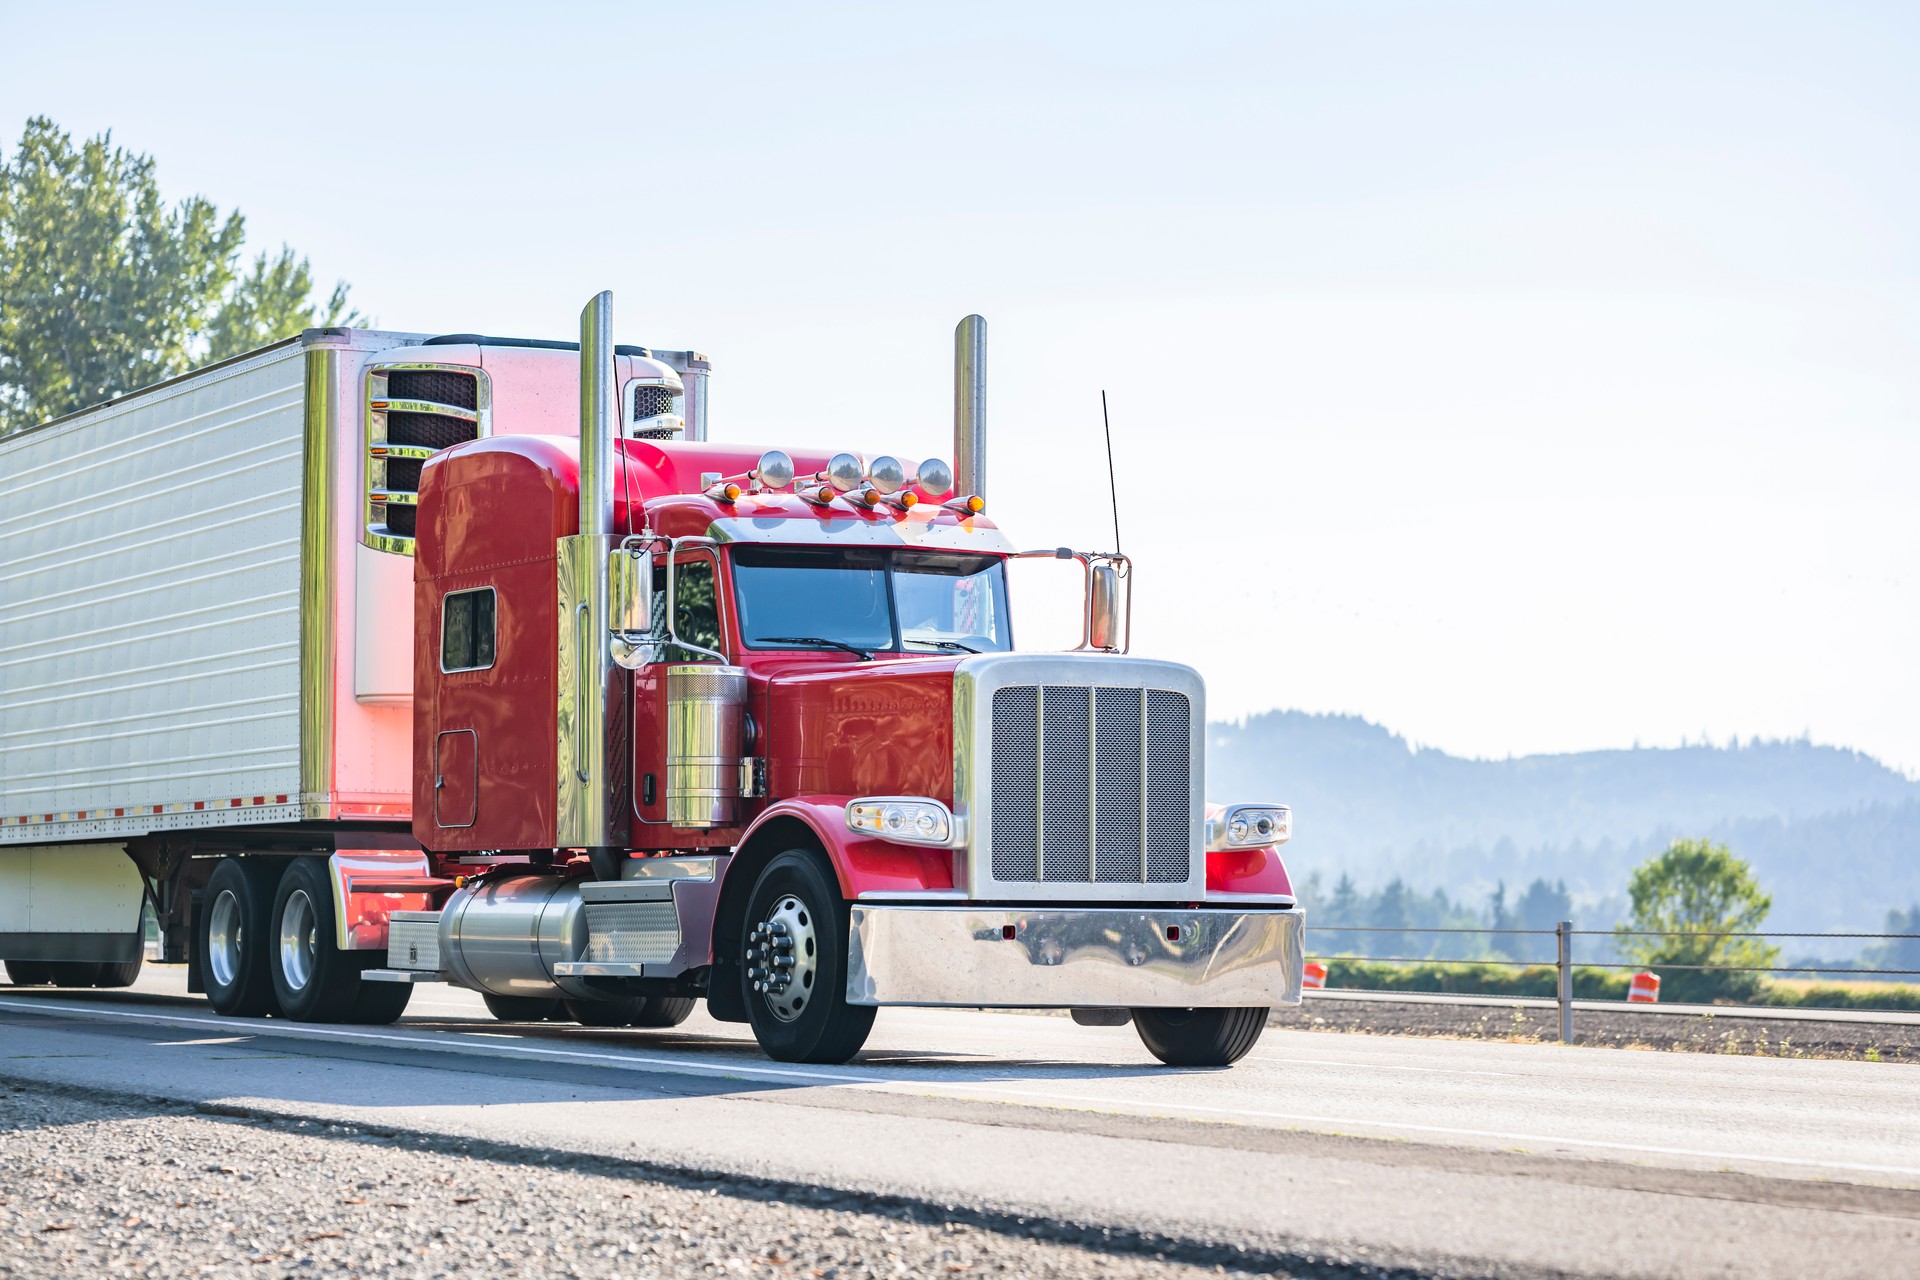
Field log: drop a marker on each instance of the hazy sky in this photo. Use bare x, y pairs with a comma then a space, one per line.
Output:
1527, 377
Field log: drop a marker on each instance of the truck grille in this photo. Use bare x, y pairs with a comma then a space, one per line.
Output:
1091, 784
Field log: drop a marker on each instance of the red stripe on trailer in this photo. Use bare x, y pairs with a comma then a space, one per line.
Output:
199, 804
279, 799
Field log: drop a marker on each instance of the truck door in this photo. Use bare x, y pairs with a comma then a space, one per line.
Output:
697, 622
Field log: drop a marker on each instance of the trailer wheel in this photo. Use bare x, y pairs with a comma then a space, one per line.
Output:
521, 1008
232, 936
1199, 1037
793, 970
313, 979
28, 973
662, 1011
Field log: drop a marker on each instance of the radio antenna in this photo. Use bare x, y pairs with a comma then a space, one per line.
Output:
1112, 489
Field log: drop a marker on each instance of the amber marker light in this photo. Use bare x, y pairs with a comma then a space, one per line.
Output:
973, 504
725, 491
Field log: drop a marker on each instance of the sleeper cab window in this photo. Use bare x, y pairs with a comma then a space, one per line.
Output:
467, 630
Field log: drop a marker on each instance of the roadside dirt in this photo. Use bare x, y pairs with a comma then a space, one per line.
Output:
1767, 1037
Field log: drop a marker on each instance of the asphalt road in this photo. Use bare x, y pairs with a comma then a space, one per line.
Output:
1440, 1156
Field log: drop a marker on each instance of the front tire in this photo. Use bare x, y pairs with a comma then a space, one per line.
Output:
793, 969
232, 938
1199, 1037
663, 1011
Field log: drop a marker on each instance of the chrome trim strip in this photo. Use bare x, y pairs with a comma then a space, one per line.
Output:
389, 405
1075, 958
317, 584
401, 452
910, 530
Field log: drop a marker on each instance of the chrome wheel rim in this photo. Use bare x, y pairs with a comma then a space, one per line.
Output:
299, 939
783, 957
225, 937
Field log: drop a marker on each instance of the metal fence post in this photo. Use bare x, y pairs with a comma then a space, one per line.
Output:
1563, 934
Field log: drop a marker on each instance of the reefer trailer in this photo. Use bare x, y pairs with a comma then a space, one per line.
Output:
370, 659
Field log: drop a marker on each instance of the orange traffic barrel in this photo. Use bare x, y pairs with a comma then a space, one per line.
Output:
1316, 976
1644, 989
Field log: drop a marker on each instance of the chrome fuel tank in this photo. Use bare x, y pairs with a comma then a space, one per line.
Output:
706, 737
506, 936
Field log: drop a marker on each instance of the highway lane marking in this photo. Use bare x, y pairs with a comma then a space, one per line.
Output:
455, 1042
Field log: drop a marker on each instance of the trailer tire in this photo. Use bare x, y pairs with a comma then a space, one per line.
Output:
521, 1008
809, 1020
231, 936
662, 1011
1199, 1037
313, 980
28, 973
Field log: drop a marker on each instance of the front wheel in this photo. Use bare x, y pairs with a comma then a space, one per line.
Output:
1199, 1037
793, 972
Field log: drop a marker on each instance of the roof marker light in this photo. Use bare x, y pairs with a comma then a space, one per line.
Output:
972, 505
887, 475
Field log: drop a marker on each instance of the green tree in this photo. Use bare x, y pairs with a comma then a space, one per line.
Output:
1685, 900
105, 288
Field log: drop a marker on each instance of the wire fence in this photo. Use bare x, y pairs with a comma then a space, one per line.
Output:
1564, 961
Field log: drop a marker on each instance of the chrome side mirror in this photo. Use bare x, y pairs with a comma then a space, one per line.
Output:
629, 592
1104, 607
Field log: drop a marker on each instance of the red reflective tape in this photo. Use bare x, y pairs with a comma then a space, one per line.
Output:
119, 813
259, 799
199, 804
234, 803
279, 799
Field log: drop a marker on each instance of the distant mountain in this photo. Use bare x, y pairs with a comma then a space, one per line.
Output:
1833, 834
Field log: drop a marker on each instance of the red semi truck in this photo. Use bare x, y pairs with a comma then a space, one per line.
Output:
371, 659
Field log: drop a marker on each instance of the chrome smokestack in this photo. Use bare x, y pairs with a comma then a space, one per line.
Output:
970, 407
599, 416
592, 721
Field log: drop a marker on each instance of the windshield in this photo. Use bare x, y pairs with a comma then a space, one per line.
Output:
871, 600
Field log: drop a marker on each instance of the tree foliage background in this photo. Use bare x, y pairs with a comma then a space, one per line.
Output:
1695, 893
105, 287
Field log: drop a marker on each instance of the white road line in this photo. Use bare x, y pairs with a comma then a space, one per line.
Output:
447, 1041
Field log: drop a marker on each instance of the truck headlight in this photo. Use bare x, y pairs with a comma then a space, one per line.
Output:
906, 819
1249, 826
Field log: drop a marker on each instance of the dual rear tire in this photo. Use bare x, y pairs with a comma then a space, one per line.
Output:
267, 946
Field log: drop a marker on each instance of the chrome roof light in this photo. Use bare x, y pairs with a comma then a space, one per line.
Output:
935, 477
774, 470
887, 475
845, 471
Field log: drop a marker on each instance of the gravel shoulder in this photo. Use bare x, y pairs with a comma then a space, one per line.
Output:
103, 1187
1765, 1037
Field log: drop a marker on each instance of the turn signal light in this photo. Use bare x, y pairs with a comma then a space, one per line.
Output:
1249, 826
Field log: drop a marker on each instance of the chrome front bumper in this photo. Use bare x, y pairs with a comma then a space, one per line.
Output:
1092, 958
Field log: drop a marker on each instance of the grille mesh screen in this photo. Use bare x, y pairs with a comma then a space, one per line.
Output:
1091, 785
651, 402
436, 431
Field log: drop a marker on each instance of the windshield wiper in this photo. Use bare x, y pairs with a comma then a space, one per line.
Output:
856, 650
945, 644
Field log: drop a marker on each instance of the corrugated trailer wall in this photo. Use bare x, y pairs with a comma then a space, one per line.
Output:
150, 607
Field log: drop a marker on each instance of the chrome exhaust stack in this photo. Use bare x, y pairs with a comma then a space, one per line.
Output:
970, 407
592, 719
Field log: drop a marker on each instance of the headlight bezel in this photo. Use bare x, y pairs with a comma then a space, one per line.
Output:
914, 820
1249, 826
